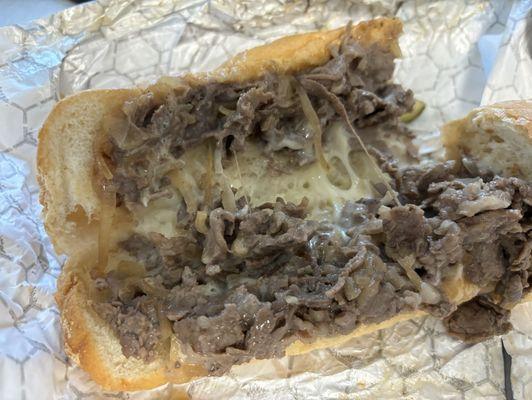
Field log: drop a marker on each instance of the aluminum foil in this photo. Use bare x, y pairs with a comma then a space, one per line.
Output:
457, 54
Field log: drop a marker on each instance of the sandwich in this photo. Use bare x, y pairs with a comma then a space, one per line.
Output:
274, 206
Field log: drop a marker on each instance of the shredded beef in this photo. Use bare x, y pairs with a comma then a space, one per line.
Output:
222, 224
406, 232
477, 320
302, 274
470, 196
413, 183
482, 235
269, 276
264, 276
143, 250
136, 323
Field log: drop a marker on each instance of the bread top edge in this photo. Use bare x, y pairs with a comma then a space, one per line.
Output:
294, 53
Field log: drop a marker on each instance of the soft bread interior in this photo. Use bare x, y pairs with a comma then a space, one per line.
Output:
65, 162
498, 137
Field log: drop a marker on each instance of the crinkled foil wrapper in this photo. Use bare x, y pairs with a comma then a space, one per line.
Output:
457, 54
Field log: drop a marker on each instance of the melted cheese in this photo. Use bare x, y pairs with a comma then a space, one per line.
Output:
252, 175
263, 184
159, 216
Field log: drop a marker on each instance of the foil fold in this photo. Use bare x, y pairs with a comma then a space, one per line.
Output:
456, 55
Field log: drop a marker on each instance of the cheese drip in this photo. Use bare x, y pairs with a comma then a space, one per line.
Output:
253, 176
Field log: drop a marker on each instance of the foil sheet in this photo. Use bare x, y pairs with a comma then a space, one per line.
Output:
456, 55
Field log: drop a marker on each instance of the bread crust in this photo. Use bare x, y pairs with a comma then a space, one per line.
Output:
294, 53
63, 172
92, 344
71, 214
474, 134
515, 112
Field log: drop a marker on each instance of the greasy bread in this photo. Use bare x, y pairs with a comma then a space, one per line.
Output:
498, 136
71, 208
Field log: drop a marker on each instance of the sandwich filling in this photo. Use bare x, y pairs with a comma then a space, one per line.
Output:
284, 209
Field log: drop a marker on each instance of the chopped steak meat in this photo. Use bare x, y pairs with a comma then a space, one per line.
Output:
478, 319
268, 276
269, 109
406, 232
136, 323
470, 196
222, 223
483, 234
246, 281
